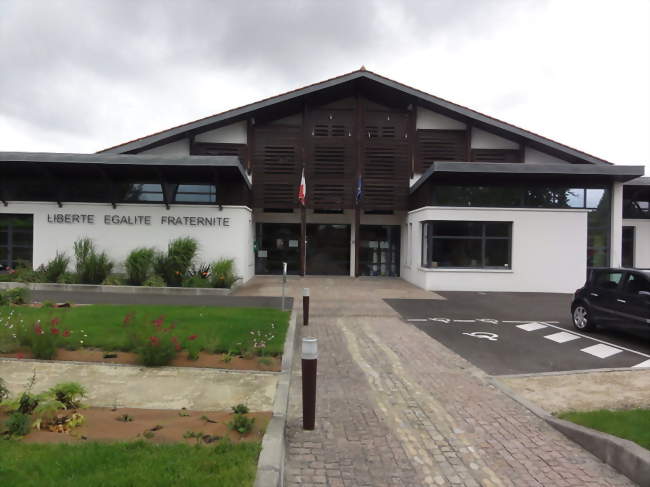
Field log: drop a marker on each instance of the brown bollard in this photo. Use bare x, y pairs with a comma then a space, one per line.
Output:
309, 366
305, 306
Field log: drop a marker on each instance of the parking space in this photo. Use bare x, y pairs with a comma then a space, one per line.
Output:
519, 333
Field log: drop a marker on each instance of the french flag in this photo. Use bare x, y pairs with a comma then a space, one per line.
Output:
302, 189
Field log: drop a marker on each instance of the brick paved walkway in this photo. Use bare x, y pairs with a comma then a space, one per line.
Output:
398, 409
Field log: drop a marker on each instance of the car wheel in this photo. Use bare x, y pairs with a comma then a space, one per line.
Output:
582, 318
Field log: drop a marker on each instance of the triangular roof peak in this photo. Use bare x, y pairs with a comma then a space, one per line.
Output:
484, 121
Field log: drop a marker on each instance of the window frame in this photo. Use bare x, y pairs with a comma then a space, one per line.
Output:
429, 236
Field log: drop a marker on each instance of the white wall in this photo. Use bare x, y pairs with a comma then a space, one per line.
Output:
178, 148
235, 133
234, 240
549, 251
427, 119
641, 241
485, 140
532, 156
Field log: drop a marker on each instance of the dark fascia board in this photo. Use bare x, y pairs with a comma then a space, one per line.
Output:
125, 159
618, 173
242, 112
638, 182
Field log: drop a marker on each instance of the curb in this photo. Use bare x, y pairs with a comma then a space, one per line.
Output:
99, 288
627, 457
270, 466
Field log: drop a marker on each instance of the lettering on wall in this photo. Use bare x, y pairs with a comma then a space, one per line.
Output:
146, 220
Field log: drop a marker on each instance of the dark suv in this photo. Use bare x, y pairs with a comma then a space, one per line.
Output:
613, 297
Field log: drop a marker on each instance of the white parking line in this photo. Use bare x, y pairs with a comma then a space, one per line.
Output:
532, 326
599, 341
562, 337
642, 365
601, 351
465, 321
417, 319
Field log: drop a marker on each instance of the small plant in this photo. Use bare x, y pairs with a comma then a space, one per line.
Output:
4, 391
227, 357
18, 424
45, 413
260, 340
114, 280
44, 341
56, 267
16, 295
154, 281
193, 347
48, 304
139, 265
241, 423
240, 409
148, 434
69, 394
202, 271
208, 420
176, 263
223, 273
196, 281
68, 278
197, 435
125, 418
183, 413
27, 275
92, 266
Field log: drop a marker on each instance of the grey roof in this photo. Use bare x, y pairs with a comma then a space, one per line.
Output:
125, 159
242, 112
618, 173
638, 182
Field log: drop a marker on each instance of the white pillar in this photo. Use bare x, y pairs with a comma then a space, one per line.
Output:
616, 235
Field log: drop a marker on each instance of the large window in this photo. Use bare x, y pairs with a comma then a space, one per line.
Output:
466, 244
636, 203
16, 239
195, 193
143, 192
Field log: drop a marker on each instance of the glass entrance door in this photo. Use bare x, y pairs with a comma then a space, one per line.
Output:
379, 250
628, 247
276, 243
328, 249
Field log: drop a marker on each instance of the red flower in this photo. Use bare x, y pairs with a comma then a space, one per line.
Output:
158, 321
174, 340
55, 331
38, 329
55, 321
178, 347
128, 318
66, 333
192, 337
154, 340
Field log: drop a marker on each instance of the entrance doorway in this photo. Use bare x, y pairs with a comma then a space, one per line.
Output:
276, 243
328, 249
379, 250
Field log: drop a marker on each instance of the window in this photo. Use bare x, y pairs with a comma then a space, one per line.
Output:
627, 251
636, 203
608, 279
637, 284
195, 193
143, 192
16, 239
466, 244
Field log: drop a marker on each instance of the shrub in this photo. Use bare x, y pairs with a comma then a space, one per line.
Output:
28, 275
139, 265
175, 265
18, 424
240, 409
241, 424
193, 347
92, 266
154, 342
114, 280
223, 273
16, 295
44, 341
48, 304
196, 281
57, 266
202, 270
68, 278
69, 394
154, 281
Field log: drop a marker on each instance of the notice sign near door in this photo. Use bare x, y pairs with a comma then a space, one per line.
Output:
293, 243
262, 253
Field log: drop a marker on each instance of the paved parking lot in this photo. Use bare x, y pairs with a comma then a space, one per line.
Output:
517, 333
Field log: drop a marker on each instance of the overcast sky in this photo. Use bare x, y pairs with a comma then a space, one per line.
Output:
79, 76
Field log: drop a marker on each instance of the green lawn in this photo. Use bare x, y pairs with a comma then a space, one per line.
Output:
127, 464
218, 329
633, 424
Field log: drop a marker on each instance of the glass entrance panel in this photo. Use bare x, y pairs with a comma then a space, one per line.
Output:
328, 249
379, 250
628, 247
276, 243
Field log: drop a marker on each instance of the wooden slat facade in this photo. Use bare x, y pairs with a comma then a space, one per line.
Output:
439, 145
496, 155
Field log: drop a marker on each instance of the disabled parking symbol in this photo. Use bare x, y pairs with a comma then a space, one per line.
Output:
493, 337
